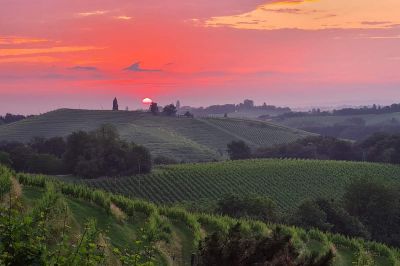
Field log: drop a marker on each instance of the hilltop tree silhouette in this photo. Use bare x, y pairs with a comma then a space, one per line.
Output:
154, 108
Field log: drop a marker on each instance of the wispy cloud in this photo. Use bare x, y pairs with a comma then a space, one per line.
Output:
12, 40
384, 37
376, 22
380, 37
123, 17
28, 59
84, 68
135, 67
92, 13
49, 50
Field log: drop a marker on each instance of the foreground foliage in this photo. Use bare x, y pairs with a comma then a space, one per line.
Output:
235, 249
44, 234
309, 245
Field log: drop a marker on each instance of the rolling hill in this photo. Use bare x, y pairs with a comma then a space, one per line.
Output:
312, 121
185, 229
184, 139
287, 182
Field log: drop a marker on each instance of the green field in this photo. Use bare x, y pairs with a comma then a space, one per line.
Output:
287, 182
186, 228
186, 139
312, 121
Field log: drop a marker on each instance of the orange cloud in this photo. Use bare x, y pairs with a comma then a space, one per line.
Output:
20, 40
92, 13
123, 17
50, 50
28, 59
315, 15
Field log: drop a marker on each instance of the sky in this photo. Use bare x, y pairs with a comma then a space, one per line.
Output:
81, 54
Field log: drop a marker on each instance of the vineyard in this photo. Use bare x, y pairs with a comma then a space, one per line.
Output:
184, 139
185, 229
287, 182
258, 133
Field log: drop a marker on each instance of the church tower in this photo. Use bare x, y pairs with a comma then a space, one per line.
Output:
115, 104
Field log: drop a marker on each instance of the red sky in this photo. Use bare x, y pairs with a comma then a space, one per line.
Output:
81, 54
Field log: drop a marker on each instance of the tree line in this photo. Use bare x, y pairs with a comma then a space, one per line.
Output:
365, 110
11, 118
380, 147
87, 154
246, 105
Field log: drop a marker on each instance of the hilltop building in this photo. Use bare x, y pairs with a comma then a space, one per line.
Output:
115, 104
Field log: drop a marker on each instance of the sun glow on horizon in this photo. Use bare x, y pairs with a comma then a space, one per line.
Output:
147, 101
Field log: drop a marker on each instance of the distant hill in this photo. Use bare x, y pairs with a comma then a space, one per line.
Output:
187, 139
354, 127
315, 120
287, 182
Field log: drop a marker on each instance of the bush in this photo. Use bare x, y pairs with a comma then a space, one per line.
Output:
250, 206
310, 215
328, 216
46, 164
238, 150
5, 158
164, 160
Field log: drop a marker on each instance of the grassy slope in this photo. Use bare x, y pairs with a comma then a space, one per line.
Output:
178, 251
181, 138
288, 182
299, 122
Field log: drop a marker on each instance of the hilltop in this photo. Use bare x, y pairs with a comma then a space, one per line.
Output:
186, 139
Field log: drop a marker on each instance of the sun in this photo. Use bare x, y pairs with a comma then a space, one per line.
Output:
147, 101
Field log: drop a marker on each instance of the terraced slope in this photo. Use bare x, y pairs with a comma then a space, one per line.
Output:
288, 182
181, 138
188, 228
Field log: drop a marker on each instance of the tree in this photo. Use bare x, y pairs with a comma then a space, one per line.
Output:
237, 249
238, 150
377, 206
45, 164
309, 215
103, 153
154, 108
5, 159
248, 104
250, 206
115, 104
329, 216
342, 221
20, 156
188, 114
170, 110
55, 146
